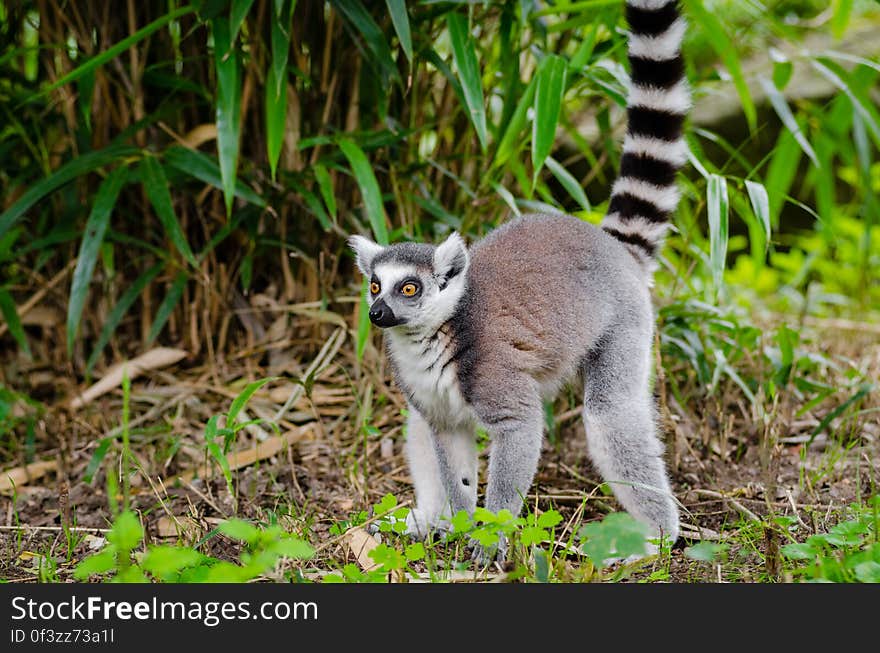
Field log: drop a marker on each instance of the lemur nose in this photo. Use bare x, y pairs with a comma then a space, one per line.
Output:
381, 315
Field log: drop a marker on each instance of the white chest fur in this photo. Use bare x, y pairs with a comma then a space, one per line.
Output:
426, 372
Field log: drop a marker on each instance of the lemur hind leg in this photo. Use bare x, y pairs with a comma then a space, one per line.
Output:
443, 466
620, 421
514, 419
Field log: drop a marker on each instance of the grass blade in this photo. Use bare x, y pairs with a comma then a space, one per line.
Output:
10, 314
244, 396
119, 311
167, 305
366, 180
469, 72
777, 100
761, 207
781, 172
363, 328
228, 108
96, 227
156, 186
205, 169
97, 458
864, 389
65, 174
400, 19
548, 105
719, 208
724, 47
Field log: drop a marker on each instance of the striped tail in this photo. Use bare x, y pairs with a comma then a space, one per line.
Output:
645, 194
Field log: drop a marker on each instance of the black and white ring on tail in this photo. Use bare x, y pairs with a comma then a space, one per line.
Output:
484, 335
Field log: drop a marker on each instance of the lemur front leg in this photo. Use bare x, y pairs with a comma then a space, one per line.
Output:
516, 429
443, 466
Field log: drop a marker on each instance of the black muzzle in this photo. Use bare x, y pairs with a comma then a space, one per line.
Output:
382, 316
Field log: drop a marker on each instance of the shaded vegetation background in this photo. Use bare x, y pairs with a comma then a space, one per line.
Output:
184, 177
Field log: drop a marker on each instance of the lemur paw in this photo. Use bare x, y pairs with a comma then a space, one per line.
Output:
484, 555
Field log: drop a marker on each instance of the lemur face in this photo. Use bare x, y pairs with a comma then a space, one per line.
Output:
412, 284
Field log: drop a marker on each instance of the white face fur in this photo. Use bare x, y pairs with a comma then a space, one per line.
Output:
414, 286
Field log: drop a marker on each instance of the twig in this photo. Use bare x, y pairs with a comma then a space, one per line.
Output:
38, 296
55, 529
733, 502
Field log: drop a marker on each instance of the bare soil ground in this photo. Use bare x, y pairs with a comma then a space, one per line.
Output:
339, 450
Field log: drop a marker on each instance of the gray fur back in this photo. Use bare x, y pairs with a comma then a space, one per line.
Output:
541, 292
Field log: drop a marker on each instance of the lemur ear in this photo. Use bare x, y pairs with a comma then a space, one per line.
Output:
365, 251
450, 258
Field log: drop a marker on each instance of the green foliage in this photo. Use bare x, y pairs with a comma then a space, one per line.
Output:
121, 562
618, 536
849, 552
214, 432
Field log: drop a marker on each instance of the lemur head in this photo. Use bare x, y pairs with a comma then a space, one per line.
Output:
412, 284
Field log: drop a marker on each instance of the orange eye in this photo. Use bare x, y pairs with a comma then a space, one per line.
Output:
375, 288
409, 290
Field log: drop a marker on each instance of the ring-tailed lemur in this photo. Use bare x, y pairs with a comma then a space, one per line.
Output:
484, 336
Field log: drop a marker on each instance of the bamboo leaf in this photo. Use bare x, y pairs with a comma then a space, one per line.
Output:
465, 56
400, 19
238, 13
65, 174
724, 47
205, 169
840, 19
276, 86
548, 104
511, 142
325, 184
378, 51
369, 187
96, 227
314, 205
761, 207
117, 49
507, 196
718, 206
115, 317
569, 183
156, 186
777, 100
167, 305
838, 76
228, 105
276, 119
10, 314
